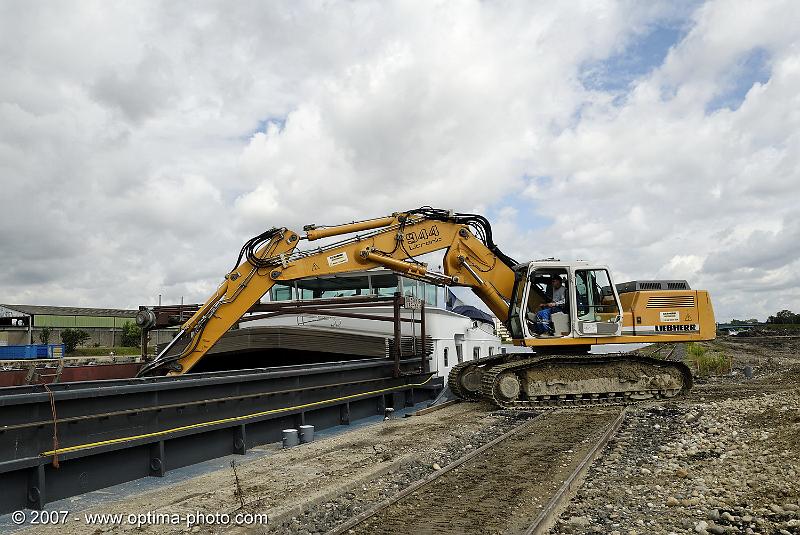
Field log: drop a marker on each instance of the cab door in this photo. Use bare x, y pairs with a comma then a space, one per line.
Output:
596, 304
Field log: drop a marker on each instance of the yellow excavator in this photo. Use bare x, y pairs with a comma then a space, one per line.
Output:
591, 309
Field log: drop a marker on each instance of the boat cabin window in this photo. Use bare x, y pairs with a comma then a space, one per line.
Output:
383, 284
281, 292
421, 290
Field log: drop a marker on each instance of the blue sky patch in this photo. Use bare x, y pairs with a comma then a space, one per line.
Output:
264, 123
750, 69
640, 56
528, 216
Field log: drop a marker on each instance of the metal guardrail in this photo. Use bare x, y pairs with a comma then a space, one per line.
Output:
66, 439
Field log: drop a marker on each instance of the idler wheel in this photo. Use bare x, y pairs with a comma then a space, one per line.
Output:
471, 380
507, 386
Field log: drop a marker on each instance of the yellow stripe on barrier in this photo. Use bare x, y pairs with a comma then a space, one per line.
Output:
222, 421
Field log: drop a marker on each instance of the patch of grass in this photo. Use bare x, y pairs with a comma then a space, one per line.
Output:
101, 351
705, 361
693, 350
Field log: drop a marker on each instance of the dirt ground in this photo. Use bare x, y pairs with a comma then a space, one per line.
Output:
724, 460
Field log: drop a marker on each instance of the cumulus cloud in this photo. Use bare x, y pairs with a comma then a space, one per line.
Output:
141, 144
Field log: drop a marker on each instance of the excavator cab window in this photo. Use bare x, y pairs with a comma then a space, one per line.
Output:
542, 319
596, 304
517, 309
527, 317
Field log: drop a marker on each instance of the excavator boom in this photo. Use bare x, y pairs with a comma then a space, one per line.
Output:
392, 242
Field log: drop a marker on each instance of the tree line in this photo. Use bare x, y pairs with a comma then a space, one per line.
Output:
72, 338
784, 317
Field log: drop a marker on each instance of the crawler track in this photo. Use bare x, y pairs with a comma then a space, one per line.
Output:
459, 379
514, 484
491, 377
484, 378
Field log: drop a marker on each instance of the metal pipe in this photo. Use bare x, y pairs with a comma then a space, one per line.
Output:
169, 345
317, 233
325, 312
424, 356
397, 334
472, 271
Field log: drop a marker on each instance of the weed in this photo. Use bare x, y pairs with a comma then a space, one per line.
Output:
707, 362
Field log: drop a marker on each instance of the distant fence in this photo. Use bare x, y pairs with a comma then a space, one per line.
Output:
35, 351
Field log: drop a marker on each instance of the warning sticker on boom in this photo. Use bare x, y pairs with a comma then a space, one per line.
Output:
338, 258
670, 316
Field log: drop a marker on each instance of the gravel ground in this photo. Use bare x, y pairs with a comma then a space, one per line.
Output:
725, 460
327, 515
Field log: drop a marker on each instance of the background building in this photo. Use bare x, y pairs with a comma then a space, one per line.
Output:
21, 324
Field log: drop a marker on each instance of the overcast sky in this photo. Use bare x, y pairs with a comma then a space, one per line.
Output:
142, 143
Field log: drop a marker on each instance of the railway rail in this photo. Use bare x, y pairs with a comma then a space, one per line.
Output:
516, 483
661, 351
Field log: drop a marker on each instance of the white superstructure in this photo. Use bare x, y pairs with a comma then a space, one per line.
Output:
455, 337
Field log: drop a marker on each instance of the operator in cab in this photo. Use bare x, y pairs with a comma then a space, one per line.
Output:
556, 304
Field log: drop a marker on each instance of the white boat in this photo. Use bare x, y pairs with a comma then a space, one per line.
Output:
455, 337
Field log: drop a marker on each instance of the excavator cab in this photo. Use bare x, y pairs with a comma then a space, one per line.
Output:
591, 306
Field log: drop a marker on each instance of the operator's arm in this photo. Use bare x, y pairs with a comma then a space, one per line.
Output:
559, 297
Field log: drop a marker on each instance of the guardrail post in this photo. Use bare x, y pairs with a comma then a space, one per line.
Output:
300, 419
240, 440
157, 459
143, 340
36, 488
